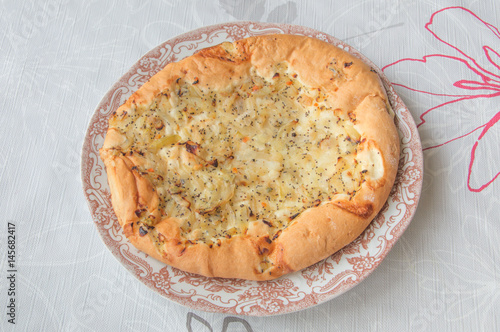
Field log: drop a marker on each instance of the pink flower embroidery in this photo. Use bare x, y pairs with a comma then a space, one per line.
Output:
473, 46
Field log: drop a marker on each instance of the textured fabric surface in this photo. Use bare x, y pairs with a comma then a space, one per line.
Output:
59, 58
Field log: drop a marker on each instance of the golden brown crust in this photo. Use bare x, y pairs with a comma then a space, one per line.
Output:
314, 234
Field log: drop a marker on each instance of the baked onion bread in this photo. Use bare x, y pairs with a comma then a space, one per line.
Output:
252, 159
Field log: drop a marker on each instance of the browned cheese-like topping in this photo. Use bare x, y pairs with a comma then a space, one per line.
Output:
263, 149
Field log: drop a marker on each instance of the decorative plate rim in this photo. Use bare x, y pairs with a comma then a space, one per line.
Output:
288, 296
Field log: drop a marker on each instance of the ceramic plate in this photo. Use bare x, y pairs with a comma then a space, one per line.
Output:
318, 283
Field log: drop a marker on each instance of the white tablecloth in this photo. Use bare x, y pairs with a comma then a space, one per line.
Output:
58, 59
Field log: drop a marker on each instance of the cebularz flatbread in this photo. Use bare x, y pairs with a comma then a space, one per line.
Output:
252, 159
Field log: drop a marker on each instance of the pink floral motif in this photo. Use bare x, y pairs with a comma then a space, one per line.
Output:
469, 51
268, 294
362, 263
322, 37
368, 234
355, 246
162, 279
236, 32
410, 177
319, 271
103, 213
150, 65
116, 225
270, 305
404, 179
100, 126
